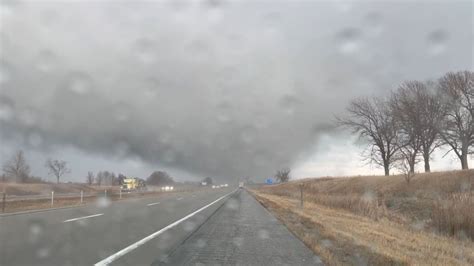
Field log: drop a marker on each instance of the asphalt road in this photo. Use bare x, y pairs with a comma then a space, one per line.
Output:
241, 232
218, 227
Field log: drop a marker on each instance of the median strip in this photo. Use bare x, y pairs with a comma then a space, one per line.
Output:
84, 217
135, 245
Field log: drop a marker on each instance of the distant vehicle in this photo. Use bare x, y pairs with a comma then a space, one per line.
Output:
133, 184
226, 185
241, 184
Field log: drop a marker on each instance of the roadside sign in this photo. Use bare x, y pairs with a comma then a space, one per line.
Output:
269, 181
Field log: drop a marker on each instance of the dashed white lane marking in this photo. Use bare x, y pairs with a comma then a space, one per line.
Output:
179, 198
84, 217
151, 204
135, 245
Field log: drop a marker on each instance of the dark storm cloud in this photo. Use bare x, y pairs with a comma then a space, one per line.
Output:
222, 89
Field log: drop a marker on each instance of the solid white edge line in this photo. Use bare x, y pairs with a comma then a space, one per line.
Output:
151, 204
137, 244
84, 217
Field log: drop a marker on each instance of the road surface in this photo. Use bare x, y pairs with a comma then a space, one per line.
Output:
241, 232
153, 231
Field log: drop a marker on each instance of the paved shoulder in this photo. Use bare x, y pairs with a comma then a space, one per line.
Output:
242, 232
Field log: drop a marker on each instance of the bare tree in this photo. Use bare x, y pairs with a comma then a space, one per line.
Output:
405, 169
373, 121
17, 168
458, 127
418, 115
283, 175
58, 168
90, 178
99, 178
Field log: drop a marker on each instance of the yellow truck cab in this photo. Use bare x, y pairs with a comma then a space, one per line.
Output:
133, 184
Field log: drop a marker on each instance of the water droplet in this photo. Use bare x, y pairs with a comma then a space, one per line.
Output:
145, 50
43, 252
238, 241
79, 82
213, 3
201, 243
122, 149
343, 5
45, 61
263, 234
368, 197
437, 42
189, 226
7, 8
5, 72
289, 103
223, 118
169, 156
248, 135
6, 111
28, 117
122, 112
35, 231
348, 40
150, 89
35, 139
373, 22
232, 204
102, 202
326, 243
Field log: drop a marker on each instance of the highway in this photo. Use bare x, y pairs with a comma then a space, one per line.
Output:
159, 231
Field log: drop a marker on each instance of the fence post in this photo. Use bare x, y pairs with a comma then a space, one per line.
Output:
120, 193
301, 195
52, 198
82, 196
3, 201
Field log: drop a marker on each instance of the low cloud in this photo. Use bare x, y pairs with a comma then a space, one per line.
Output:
226, 89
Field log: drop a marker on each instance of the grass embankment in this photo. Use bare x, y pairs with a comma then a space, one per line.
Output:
381, 220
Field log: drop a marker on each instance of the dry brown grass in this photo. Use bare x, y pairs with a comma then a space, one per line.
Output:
23, 189
455, 215
343, 238
441, 201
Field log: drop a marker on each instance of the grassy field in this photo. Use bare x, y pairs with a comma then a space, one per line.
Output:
381, 220
24, 196
31, 189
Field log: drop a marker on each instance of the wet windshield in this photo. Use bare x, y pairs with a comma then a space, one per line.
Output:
234, 132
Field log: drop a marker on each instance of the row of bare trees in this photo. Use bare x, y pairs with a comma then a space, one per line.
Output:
415, 120
18, 170
104, 178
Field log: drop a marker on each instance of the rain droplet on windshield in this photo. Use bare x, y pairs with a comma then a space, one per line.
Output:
6, 111
45, 61
5, 72
79, 82
373, 23
289, 103
35, 139
437, 42
145, 50
348, 40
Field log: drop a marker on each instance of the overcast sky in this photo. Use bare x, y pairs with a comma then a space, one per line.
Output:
212, 88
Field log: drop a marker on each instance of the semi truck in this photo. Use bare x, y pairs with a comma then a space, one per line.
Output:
133, 184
